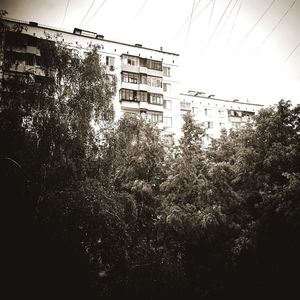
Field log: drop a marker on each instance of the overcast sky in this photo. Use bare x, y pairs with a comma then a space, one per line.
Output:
245, 49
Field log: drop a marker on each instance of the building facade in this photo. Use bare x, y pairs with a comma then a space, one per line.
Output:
216, 114
147, 79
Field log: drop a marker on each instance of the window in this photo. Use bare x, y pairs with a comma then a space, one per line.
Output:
30, 59
154, 65
167, 71
156, 99
110, 61
168, 122
143, 62
130, 77
235, 113
131, 95
154, 81
155, 117
130, 60
168, 104
143, 78
167, 87
185, 105
128, 95
142, 96
221, 113
210, 125
19, 58
222, 125
38, 60
194, 111
208, 112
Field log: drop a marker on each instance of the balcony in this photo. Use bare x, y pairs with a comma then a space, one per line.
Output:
130, 68
235, 119
130, 105
33, 50
131, 86
185, 106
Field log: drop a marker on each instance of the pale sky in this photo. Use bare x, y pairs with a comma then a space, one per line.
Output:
253, 52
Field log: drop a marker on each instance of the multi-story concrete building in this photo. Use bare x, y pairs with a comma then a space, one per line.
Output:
217, 114
147, 79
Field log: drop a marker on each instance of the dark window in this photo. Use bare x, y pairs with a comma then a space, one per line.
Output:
15, 39
30, 59
131, 95
155, 65
130, 77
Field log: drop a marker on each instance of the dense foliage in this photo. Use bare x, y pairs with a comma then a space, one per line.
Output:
114, 212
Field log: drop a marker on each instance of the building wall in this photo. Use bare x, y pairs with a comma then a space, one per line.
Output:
113, 54
217, 114
147, 81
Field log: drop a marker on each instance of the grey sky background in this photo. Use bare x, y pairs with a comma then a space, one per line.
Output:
212, 57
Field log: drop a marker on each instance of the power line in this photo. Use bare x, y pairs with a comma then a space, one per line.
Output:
274, 28
234, 23
140, 10
87, 12
228, 16
63, 21
216, 28
211, 13
291, 53
188, 18
103, 2
203, 10
256, 23
188, 32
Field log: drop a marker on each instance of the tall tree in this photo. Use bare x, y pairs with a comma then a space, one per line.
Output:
49, 148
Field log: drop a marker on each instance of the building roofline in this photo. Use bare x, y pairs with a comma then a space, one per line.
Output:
224, 100
89, 37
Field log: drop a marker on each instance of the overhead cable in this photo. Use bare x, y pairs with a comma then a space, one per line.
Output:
291, 53
234, 23
216, 28
275, 27
188, 32
255, 24
203, 10
95, 13
188, 17
63, 21
228, 16
211, 13
87, 12
140, 10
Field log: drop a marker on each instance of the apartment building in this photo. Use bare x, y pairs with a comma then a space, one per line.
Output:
147, 79
216, 114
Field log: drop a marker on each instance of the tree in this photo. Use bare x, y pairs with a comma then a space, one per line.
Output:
133, 161
46, 129
193, 217
265, 165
